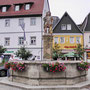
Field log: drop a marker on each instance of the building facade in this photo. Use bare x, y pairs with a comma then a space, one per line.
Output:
22, 20
66, 34
85, 27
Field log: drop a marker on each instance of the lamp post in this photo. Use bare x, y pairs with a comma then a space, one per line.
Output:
23, 28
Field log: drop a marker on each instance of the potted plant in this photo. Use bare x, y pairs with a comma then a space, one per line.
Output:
83, 66
23, 53
54, 67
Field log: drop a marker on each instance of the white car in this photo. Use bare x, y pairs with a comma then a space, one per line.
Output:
14, 57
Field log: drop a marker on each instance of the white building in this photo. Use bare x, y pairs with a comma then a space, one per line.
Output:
29, 14
86, 32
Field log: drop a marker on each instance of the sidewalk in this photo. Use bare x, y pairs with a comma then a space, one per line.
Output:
7, 85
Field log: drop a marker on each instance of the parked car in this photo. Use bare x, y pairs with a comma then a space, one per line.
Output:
4, 59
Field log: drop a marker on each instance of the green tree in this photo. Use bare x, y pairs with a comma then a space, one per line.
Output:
56, 51
79, 51
23, 53
2, 50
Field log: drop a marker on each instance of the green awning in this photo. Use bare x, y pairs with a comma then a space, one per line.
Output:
71, 54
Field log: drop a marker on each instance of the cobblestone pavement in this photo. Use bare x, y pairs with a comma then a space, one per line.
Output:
5, 87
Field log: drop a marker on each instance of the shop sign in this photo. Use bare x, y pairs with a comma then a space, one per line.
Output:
69, 46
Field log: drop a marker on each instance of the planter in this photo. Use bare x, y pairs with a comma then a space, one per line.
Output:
37, 75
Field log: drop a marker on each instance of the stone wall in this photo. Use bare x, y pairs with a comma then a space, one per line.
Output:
35, 74
47, 46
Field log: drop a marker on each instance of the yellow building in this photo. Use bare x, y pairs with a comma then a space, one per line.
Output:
66, 34
68, 42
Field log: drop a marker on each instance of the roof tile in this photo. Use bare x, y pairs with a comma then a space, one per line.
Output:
37, 7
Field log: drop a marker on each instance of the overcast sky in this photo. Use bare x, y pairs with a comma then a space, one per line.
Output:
77, 9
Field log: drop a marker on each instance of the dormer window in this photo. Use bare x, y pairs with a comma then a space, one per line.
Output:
17, 7
27, 6
4, 9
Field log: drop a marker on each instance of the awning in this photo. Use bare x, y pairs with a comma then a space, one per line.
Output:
71, 54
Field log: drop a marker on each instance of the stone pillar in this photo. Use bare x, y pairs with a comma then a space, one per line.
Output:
85, 56
47, 46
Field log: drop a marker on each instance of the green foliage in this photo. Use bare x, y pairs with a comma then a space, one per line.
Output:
54, 67
55, 56
23, 53
2, 50
56, 52
15, 66
83, 66
79, 50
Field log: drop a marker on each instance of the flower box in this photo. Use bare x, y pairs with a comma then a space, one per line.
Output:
54, 67
82, 66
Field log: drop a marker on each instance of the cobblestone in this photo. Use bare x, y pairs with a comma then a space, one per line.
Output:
5, 87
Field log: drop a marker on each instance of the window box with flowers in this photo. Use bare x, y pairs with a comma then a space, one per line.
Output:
15, 66
83, 66
54, 67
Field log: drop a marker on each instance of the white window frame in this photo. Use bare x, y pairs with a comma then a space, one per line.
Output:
17, 7
63, 27
63, 40
77, 40
56, 40
7, 22
4, 9
33, 40
33, 21
7, 41
71, 39
21, 21
27, 6
21, 41
69, 27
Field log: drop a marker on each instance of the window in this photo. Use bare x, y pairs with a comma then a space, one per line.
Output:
33, 40
33, 21
21, 21
68, 26
7, 41
4, 9
27, 6
62, 40
56, 40
21, 40
89, 39
63, 27
77, 39
71, 39
7, 22
17, 8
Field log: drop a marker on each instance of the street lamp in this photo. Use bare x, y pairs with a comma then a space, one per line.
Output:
23, 28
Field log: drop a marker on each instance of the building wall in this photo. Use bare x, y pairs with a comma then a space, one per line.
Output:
86, 39
67, 44
14, 31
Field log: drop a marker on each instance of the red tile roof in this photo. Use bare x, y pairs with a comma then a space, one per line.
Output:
36, 9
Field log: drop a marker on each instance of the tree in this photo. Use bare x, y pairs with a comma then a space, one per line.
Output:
23, 53
56, 52
2, 50
79, 50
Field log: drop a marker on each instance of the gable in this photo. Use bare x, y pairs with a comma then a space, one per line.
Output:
66, 20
